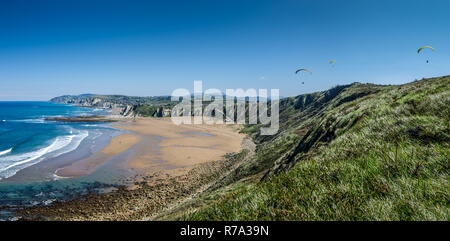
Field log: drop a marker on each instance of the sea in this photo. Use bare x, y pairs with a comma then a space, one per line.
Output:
33, 148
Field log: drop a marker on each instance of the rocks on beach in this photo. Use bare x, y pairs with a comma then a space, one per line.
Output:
82, 119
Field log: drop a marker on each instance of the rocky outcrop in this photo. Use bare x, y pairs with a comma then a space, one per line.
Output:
81, 119
127, 110
162, 112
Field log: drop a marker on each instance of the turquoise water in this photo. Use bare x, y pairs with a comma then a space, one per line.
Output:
32, 149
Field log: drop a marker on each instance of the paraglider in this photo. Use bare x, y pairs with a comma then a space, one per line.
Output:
303, 69
425, 47
331, 62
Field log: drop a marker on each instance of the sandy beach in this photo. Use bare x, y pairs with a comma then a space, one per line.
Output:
160, 146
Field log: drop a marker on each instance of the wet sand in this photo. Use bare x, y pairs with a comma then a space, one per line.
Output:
86, 166
161, 146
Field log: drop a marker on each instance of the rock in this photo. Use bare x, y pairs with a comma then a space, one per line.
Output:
81, 119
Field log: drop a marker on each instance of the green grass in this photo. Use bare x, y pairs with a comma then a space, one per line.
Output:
146, 110
369, 153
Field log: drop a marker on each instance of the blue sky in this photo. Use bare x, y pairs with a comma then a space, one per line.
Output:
147, 48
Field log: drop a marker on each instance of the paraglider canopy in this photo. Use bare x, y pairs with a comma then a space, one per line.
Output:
332, 61
303, 69
424, 47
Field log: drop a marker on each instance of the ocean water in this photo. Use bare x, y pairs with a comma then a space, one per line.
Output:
27, 139
32, 149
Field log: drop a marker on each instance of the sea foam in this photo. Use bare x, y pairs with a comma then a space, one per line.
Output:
5, 152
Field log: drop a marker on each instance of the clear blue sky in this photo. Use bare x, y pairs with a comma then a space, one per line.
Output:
50, 48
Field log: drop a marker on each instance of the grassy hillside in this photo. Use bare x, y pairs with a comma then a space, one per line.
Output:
356, 152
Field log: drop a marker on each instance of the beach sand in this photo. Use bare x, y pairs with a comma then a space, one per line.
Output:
161, 146
83, 167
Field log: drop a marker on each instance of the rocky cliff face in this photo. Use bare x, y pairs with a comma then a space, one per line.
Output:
128, 110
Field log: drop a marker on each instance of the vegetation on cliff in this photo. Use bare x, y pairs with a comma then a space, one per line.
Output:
356, 152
